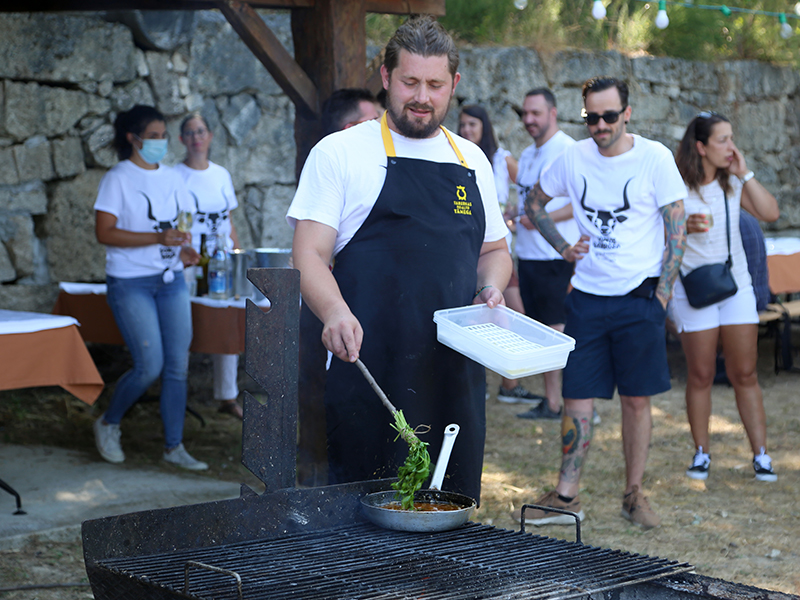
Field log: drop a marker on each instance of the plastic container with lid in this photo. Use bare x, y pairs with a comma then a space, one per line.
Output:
503, 340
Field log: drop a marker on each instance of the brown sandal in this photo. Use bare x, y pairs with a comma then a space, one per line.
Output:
231, 407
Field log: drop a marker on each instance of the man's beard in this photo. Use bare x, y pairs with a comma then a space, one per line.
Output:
414, 128
610, 140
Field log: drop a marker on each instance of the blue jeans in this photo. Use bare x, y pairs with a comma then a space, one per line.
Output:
155, 319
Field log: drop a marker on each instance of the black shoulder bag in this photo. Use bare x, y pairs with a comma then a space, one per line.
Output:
714, 283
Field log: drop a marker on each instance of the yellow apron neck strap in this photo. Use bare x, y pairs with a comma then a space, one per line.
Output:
388, 143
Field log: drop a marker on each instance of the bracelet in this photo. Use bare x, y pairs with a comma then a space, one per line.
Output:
747, 177
478, 293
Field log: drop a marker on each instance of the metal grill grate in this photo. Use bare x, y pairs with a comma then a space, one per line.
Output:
362, 561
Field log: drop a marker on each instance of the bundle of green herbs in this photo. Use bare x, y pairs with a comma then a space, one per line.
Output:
416, 468
414, 471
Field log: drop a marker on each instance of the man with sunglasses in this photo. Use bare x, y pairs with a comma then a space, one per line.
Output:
627, 198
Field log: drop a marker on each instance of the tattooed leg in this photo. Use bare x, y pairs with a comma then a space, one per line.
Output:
576, 436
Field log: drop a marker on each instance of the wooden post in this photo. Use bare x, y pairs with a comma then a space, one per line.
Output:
330, 46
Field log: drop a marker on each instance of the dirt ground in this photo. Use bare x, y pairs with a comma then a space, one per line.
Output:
731, 526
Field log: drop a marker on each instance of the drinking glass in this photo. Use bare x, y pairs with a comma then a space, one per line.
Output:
184, 221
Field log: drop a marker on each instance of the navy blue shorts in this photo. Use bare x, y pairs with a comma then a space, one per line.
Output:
619, 341
543, 287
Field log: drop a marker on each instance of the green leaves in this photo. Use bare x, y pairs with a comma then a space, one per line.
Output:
416, 468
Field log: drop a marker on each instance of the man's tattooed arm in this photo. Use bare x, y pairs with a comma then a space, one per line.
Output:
675, 231
534, 208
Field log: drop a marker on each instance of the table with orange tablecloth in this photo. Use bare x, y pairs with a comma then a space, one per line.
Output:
218, 325
41, 350
783, 263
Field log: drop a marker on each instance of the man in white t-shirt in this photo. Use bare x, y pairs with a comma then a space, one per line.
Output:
408, 214
543, 273
627, 196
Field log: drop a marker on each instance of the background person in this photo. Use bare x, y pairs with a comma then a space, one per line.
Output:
347, 107
137, 208
543, 272
713, 167
343, 109
627, 197
410, 212
474, 125
211, 189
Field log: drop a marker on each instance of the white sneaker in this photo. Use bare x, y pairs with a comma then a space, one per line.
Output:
179, 457
106, 438
762, 464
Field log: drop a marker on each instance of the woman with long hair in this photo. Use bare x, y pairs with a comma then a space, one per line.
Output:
716, 174
137, 210
211, 189
474, 125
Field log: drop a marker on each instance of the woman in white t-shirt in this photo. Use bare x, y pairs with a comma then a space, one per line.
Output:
211, 189
713, 169
137, 210
475, 126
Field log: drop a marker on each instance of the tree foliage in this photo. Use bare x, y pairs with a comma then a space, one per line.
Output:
693, 33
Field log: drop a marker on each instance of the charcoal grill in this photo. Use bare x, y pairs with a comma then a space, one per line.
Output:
308, 543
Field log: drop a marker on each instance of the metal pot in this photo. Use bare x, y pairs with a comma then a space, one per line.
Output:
272, 257
374, 505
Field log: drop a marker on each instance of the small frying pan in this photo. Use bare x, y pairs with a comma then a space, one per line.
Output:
374, 505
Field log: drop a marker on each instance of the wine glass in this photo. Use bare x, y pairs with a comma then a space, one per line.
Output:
185, 221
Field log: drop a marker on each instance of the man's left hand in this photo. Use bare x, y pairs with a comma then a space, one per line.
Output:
490, 296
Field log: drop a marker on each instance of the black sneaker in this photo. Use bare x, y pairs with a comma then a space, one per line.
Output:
542, 411
700, 464
518, 395
762, 464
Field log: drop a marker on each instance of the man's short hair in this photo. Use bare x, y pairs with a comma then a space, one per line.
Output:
603, 82
543, 91
342, 107
421, 35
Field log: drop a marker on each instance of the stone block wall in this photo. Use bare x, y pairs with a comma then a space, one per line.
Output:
64, 77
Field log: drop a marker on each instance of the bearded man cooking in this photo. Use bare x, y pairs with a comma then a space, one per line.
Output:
407, 213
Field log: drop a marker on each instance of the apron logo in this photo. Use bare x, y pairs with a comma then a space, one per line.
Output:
460, 205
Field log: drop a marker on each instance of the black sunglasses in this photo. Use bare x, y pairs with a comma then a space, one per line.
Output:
611, 116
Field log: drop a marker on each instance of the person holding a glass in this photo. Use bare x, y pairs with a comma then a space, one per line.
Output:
137, 210
211, 189
720, 185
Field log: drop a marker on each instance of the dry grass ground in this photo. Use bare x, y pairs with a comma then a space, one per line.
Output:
730, 527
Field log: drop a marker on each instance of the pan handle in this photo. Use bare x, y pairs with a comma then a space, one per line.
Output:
450, 433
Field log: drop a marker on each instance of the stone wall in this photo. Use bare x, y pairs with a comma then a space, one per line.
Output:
64, 77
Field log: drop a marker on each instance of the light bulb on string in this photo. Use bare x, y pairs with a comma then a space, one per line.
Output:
786, 29
598, 10
662, 20
520, 4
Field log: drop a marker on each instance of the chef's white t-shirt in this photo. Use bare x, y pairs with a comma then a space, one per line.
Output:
345, 172
616, 201
531, 245
214, 198
145, 201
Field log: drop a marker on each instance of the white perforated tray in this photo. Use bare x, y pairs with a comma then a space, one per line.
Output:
503, 340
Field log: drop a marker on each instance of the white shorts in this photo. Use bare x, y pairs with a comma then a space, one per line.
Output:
739, 309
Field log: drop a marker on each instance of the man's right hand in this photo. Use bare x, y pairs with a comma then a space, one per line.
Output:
526, 222
342, 335
578, 251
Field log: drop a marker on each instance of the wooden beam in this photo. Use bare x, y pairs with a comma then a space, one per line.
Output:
374, 82
330, 45
268, 49
395, 7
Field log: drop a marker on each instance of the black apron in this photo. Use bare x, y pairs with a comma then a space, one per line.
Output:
417, 252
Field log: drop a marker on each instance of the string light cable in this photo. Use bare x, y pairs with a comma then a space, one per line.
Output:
786, 30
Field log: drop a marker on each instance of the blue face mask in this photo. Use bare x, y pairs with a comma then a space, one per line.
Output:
153, 151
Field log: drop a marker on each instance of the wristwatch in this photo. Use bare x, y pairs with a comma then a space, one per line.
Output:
747, 177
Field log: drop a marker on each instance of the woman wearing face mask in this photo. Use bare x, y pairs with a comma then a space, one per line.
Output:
136, 215
716, 173
212, 191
